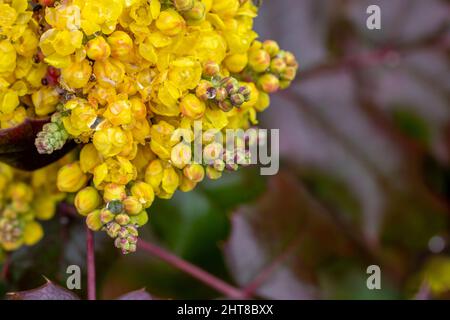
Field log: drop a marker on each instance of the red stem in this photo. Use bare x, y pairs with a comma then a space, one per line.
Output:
6, 265
194, 271
90, 258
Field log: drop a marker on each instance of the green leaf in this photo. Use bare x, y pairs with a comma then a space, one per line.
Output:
412, 124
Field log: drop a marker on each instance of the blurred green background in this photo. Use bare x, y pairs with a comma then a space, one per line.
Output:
364, 179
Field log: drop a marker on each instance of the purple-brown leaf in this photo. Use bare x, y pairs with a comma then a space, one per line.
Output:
17, 147
48, 291
136, 295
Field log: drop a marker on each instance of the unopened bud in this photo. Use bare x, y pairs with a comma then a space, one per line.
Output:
271, 47
106, 216
132, 205
87, 200
93, 220
211, 68
269, 83
194, 172
183, 5
259, 60
197, 12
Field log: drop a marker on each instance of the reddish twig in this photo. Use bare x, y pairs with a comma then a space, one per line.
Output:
5, 268
90, 259
199, 274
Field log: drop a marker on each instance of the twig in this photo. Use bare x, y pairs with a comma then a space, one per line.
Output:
90, 259
6, 265
199, 274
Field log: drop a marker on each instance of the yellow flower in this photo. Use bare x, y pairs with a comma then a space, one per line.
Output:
45, 100
99, 15
119, 112
9, 100
109, 72
93, 220
70, 178
81, 117
192, 107
185, 73
110, 141
77, 74
144, 193
7, 56
236, 62
89, 158
154, 174
32, 233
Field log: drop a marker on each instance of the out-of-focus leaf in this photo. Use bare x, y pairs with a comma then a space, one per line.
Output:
334, 194
48, 291
411, 125
18, 150
136, 295
283, 220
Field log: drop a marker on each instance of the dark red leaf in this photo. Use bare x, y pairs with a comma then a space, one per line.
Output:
48, 291
18, 150
136, 295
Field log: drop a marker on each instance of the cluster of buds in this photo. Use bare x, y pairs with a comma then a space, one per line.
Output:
274, 68
223, 92
191, 10
122, 213
53, 135
25, 198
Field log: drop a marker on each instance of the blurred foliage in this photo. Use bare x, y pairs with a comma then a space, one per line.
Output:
360, 184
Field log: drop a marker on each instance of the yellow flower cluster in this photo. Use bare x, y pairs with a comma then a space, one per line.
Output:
124, 78
20, 74
24, 199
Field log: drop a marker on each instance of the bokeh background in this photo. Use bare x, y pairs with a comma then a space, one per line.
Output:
364, 179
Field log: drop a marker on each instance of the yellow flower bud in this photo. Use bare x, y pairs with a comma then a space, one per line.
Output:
181, 155
170, 22
32, 233
138, 109
106, 216
271, 47
212, 173
93, 220
170, 180
259, 60
98, 49
236, 62
154, 173
197, 12
194, 172
211, 68
123, 219
20, 192
89, 158
263, 102
183, 5
70, 178
44, 207
114, 191
269, 83
87, 200
187, 185
192, 107
144, 193
121, 45
77, 74
132, 205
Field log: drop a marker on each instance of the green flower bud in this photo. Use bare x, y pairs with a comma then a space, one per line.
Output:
140, 219
183, 5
